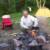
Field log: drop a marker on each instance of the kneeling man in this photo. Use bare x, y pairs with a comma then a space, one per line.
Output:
28, 21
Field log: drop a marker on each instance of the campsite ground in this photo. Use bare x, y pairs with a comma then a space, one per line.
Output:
9, 33
15, 17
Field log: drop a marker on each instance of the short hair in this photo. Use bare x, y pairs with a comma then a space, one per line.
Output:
25, 10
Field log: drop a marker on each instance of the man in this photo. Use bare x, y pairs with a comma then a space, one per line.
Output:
28, 21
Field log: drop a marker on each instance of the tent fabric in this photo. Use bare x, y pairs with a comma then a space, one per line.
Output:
45, 12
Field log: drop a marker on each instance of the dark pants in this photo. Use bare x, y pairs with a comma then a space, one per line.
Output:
35, 28
36, 48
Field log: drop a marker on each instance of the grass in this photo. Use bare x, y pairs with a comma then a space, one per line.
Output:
15, 17
0, 19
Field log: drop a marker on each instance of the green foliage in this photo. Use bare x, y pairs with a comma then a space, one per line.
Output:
48, 20
7, 6
11, 6
16, 16
20, 5
24, 4
3, 9
47, 3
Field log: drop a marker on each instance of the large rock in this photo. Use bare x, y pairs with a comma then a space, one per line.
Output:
42, 14
43, 24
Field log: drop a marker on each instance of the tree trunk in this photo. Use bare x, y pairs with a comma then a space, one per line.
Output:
37, 3
40, 4
44, 2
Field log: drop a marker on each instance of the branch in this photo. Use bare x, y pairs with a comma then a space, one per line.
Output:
44, 2
40, 3
37, 3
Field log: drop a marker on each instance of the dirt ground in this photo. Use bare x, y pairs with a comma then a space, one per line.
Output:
6, 34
